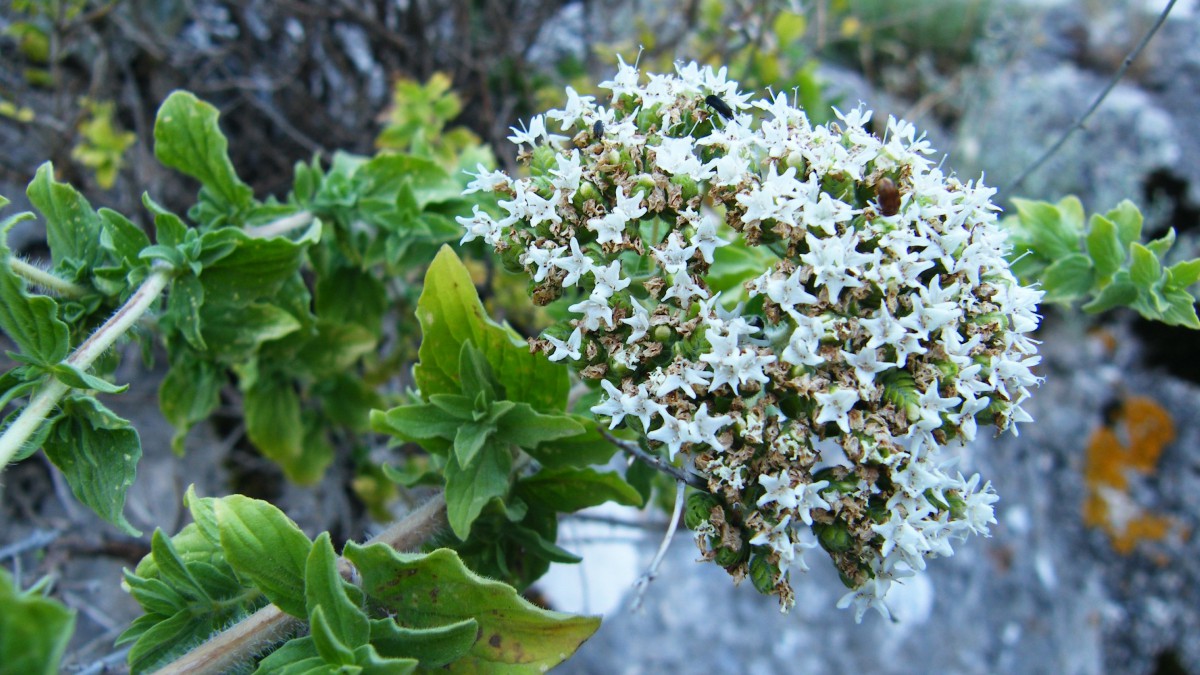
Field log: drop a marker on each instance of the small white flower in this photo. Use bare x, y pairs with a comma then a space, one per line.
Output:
570, 348
835, 407
779, 491
485, 181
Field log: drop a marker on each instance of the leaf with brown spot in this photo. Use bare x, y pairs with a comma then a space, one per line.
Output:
520, 637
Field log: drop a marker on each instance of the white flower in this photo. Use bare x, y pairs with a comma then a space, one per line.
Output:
611, 406
593, 309
639, 322
705, 427
779, 491
568, 174
541, 258
778, 539
608, 280
673, 255
486, 181
705, 237
674, 432
569, 348
575, 265
809, 497
832, 259
835, 407
535, 132
577, 108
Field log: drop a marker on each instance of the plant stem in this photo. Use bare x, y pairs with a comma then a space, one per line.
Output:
281, 226
37, 275
657, 463
85, 355
270, 625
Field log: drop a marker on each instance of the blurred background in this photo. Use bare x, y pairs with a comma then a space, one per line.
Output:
1092, 567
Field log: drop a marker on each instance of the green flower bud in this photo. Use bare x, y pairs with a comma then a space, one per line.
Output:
834, 537
698, 509
687, 186
511, 260
662, 333
587, 191
727, 557
762, 573
544, 159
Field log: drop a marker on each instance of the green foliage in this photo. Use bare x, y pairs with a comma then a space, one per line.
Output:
439, 591
102, 143
238, 553
34, 630
1105, 264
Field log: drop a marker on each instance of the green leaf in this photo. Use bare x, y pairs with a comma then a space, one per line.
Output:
373, 664
169, 229
450, 314
1184, 274
433, 647
295, 656
34, 630
456, 406
351, 295
475, 374
74, 377
167, 640
326, 640
1181, 309
122, 237
31, 321
1120, 293
1144, 270
1128, 220
265, 548
172, 568
189, 393
184, 302
419, 422
470, 488
524, 427
97, 452
1104, 246
584, 449
1068, 279
153, 594
568, 490
438, 590
273, 423
470, 439
1163, 244
1052, 231
254, 268
204, 514
537, 546
234, 331
324, 589
187, 138
72, 227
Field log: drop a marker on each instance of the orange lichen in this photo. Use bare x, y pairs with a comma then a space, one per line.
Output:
1131, 442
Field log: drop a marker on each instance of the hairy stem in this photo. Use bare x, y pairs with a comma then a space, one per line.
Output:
40, 277
270, 625
31, 418
281, 226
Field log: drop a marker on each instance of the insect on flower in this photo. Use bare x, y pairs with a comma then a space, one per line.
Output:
889, 196
598, 129
720, 106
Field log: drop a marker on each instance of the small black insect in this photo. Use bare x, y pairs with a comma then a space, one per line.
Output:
720, 106
888, 195
598, 129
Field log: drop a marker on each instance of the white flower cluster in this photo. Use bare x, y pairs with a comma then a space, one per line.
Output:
817, 394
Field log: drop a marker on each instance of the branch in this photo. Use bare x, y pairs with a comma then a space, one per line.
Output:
41, 277
281, 226
1095, 104
118, 324
268, 626
657, 463
643, 581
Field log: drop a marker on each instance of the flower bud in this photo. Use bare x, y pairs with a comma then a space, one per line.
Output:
834, 537
698, 509
762, 573
727, 557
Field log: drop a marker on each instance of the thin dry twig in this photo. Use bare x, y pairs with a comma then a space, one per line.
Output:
643, 581
657, 463
1095, 104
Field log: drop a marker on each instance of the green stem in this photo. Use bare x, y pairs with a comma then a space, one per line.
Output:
40, 277
48, 396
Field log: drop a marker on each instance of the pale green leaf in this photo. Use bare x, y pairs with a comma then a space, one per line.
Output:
266, 549
187, 138
34, 630
324, 589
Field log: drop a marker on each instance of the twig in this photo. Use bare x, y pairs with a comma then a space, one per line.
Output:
22, 428
270, 625
1095, 104
36, 539
643, 581
657, 463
